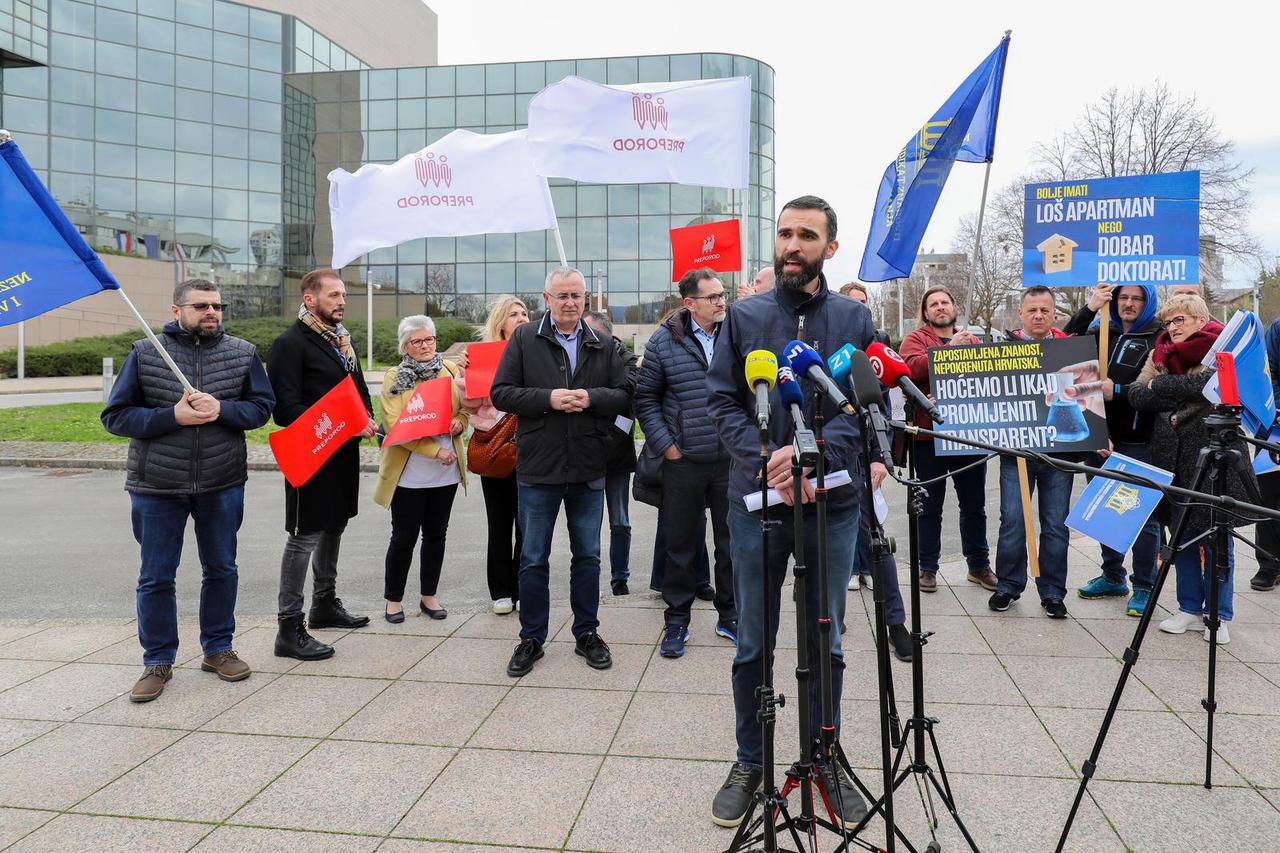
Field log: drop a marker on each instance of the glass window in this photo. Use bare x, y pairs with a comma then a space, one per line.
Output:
411, 83
195, 74
71, 120
264, 146
381, 145
499, 79
592, 237
435, 134
194, 168
413, 252
382, 84
744, 66
155, 197
198, 12
499, 109
500, 278
655, 273
469, 80
194, 42
264, 55
411, 112
117, 26
716, 200
112, 126
264, 176
71, 155
623, 241
531, 277
193, 136
114, 194
655, 238
623, 70
114, 160
565, 200
231, 49
264, 25
471, 248
440, 250
382, 115
654, 69
593, 69
686, 199
264, 86
655, 198
230, 110
500, 247
155, 34
75, 87
559, 69
231, 18
264, 206
412, 280
73, 52
230, 79
530, 76
71, 189
440, 112
687, 66
591, 201
230, 204
156, 67
320, 50
192, 200
69, 17
156, 8
157, 164
193, 106
264, 116
156, 130
231, 173
717, 65
622, 199
569, 234
531, 246
440, 81
623, 280
470, 111
409, 141
470, 278
114, 92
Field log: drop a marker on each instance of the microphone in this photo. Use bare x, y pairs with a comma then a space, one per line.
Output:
893, 371
805, 444
866, 386
806, 362
838, 365
762, 371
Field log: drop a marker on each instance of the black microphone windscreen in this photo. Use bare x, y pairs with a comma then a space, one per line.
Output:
862, 376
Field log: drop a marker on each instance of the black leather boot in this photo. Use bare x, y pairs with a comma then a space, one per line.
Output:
327, 612
293, 641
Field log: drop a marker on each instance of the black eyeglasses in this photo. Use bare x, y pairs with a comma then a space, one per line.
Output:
205, 306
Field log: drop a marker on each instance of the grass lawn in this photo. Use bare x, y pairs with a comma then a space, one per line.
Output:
73, 422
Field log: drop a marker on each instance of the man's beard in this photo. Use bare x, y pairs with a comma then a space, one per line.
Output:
796, 281
202, 331
332, 318
949, 321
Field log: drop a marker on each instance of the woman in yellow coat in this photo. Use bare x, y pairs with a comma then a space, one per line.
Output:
418, 480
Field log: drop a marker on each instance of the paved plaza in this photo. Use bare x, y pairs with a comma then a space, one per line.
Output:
412, 738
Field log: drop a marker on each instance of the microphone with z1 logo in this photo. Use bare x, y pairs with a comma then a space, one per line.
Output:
806, 444
805, 361
893, 372
838, 365
762, 371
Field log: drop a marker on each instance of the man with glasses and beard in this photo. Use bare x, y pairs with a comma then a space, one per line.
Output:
306, 362
799, 308
187, 458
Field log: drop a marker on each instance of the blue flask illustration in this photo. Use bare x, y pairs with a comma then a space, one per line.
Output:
1065, 414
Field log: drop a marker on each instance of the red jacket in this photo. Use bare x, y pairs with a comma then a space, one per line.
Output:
915, 351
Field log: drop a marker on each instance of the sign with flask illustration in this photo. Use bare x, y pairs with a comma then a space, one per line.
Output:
1112, 512
1042, 395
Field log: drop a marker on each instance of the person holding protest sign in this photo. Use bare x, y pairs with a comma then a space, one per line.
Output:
1268, 532
305, 362
419, 479
497, 430
617, 480
1172, 387
937, 329
1131, 312
1036, 314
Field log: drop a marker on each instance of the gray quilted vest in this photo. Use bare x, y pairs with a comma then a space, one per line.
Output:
195, 458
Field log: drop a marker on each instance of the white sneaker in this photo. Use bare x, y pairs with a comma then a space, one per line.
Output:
1223, 636
1180, 622
503, 606
853, 582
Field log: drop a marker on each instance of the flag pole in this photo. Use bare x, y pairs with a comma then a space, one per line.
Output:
564, 260
744, 236
22, 349
977, 247
368, 298
151, 336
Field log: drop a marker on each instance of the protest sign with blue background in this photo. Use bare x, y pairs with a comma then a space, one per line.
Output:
1112, 512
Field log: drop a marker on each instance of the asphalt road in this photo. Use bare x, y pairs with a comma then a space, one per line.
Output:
69, 551
49, 398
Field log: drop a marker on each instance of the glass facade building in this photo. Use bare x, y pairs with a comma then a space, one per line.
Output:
201, 132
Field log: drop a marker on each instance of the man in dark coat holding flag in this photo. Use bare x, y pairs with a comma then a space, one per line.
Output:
307, 361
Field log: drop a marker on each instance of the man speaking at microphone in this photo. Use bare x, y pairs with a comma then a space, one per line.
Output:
799, 308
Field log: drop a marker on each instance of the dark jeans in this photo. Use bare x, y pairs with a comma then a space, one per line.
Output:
691, 491
1268, 532
748, 591
414, 510
584, 510
320, 550
503, 562
658, 573
971, 495
1054, 487
617, 493
1148, 541
885, 570
159, 522
1194, 565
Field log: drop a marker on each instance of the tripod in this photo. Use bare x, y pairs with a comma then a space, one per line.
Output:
1213, 462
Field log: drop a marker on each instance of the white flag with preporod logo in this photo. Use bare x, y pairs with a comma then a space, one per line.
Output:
465, 183
688, 132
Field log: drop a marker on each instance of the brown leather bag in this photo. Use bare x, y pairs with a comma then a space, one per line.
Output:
492, 452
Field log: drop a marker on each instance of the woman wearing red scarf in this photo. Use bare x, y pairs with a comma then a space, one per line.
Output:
1172, 384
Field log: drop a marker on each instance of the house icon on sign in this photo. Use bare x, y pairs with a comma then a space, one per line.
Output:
1057, 253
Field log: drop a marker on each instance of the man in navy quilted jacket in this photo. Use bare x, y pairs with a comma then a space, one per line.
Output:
671, 404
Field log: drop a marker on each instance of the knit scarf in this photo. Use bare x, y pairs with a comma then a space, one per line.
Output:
1178, 358
336, 336
410, 371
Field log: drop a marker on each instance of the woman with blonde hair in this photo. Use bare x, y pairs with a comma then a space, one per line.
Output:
418, 480
503, 560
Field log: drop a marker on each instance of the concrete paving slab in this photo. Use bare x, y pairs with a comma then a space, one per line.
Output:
255, 646
15, 672
18, 629
15, 823
401, 845
1117, 635
112, 835
1041, 636
68, 691
1182, 684
621, 625
554, 719
705, 670
14, 733
309, 706
467, 660
996, 740
1249, 744
497, 797
423, 712
489, 625
244, 839
664, 725
385, 780
977, 679
1056, 682
415, 622
71, 762
67, 642
203, 777
563, 668
190, 699
1254, 643
1150, 816
955, 635
364, 655
129, 651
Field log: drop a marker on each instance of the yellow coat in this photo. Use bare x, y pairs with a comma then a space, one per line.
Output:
394, 458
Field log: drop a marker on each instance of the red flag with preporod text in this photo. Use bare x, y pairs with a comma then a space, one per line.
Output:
427, 412
717, 245
303, 447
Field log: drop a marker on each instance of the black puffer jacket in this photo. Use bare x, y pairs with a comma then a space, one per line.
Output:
671, 393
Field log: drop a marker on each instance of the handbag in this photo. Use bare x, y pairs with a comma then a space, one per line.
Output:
646, 486
492, 452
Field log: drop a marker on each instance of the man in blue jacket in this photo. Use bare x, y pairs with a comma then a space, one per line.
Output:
799, 308
1269, 531
671, 403
187, 459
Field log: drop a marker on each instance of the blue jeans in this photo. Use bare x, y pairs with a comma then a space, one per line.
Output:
1148, 541
159, 522
1193, 565
748, 592
1054, 487
971, 495
539, 506
617, 491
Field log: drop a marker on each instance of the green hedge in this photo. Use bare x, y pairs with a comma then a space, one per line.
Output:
83, 356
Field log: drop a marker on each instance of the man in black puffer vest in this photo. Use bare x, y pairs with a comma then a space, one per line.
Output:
671, 403
187, 459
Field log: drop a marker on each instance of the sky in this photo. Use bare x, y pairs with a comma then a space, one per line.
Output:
854, 80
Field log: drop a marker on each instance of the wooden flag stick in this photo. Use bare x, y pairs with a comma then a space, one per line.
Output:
1104, 332
1028, 520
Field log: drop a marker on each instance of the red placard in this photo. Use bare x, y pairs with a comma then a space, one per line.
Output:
1227, 390
303, 447
427, 412
482, 364
716, 245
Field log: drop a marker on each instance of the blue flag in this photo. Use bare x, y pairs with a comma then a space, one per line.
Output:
1244, 339
1112, 512
44, 262
963, 129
